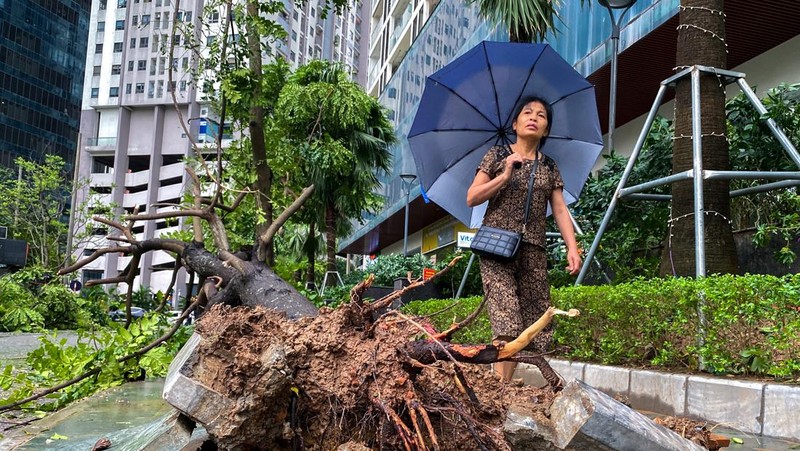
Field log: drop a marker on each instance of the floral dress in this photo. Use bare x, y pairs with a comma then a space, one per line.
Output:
518, 292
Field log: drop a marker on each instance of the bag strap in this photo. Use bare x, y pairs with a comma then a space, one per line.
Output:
530, 191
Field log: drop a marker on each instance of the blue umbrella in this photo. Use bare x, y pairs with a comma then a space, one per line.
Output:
467, 107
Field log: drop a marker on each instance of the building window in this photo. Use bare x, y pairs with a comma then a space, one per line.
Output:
144, 42
294, 35
101, 26
117, 47
102, 5
145, 19
210, 40
185, 64
115, 69
98, 48
214, 16
183, 85
139, 88
130, 66
120, 25
141, 65
127, 88
96, 71
92, 274
151, 88
95, 92
122, 3
152, 66
113, 91
135, 19
133, 43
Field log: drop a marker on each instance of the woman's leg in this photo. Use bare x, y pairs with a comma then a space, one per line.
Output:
500, 289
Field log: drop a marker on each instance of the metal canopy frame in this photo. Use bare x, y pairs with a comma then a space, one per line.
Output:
784, 179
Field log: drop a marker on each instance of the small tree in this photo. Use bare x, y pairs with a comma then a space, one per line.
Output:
33, 205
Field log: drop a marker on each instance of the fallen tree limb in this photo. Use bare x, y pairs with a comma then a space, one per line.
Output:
96, 370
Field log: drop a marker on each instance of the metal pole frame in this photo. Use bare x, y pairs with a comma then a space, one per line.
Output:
784, 179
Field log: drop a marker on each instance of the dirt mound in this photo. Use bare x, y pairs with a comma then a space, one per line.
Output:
324, 381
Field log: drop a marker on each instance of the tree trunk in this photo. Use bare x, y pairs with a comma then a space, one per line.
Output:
330, 241
263, 183
701, 40
311, 253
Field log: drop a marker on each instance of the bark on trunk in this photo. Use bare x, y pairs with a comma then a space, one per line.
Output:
255, 284
330, 241
311, 253
256, 128
701, 40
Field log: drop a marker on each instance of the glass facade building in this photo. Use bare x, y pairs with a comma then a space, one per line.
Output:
42, 58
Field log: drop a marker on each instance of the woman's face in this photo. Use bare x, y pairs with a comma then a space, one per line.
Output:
532, 122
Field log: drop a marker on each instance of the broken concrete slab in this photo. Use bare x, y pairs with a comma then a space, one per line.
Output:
586, 418
186, 394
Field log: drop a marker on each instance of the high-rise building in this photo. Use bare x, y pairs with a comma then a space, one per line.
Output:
406, 46
136, 136
42, 53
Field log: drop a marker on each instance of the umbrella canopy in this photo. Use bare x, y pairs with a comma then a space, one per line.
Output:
467, 107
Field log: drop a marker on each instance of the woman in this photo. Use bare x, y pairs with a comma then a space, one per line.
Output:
518, 292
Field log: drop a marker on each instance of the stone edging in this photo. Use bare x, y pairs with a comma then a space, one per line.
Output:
752, 407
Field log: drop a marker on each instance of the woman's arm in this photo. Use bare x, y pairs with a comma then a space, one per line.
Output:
484, 187
564, 223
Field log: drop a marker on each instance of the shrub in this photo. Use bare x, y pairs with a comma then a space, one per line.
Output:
752, 323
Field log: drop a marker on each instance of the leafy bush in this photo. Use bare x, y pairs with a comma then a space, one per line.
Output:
450, 311
752, 323
387, 268
31, 299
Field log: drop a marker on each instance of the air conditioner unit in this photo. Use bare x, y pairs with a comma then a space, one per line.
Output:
3, 232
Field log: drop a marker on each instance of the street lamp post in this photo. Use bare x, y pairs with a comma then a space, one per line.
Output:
611, 5
408, 179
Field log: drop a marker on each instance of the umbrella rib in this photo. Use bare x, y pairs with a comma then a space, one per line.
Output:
590, 86
465, 100
491, 76
527, 79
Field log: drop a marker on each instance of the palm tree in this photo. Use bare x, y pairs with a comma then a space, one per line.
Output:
349, 145
526, 20
701, 40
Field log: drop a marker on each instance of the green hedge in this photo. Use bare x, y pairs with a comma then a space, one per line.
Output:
752, 323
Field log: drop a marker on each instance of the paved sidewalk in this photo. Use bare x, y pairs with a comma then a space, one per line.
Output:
17, 345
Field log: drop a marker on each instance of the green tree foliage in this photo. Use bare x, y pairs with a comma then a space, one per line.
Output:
31, 300
342, 135
774, 214
55, 361
33, 205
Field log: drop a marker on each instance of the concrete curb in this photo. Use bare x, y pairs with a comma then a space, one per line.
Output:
754, 407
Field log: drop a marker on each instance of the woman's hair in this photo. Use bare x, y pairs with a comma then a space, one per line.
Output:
547, 109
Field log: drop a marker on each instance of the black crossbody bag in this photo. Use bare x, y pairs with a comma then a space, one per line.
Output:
501, 244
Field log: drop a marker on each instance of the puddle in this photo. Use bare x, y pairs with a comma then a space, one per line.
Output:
123, 414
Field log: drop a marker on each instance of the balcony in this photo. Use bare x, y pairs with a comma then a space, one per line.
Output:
101, 143
102, 179
170, 192
161, 257
137, 178
171, 171
131, 200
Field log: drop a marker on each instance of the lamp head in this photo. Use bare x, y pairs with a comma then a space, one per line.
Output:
408, 178
617, 4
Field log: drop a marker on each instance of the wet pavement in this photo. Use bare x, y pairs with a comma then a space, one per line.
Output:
126, 415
